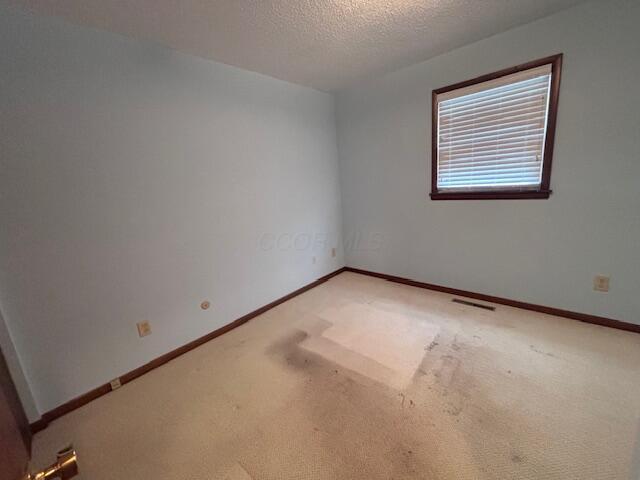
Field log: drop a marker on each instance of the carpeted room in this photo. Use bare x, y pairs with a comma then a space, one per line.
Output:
282, 397
257, 187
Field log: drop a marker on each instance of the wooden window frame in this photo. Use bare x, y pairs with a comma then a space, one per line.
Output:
540, 193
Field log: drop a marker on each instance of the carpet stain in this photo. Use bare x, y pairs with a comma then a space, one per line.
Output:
237, 473
329, 398
548, 354
411, 443
433, 344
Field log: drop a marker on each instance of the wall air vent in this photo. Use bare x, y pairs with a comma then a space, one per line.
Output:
473, 304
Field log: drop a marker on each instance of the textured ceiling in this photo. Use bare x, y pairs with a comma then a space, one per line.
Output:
325, 44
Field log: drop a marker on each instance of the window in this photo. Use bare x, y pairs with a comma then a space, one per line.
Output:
492, 137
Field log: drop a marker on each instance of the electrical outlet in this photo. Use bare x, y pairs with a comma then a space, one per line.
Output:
115, 384
205, 305
144, 328
333, 252
601, 283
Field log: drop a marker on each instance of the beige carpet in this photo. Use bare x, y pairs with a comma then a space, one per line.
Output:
360, 378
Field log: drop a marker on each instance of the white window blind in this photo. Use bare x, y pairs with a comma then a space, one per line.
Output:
491, 135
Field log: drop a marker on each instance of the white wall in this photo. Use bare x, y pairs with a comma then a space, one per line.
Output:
136, 182
539, 251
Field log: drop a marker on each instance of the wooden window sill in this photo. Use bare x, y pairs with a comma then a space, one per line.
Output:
492, 195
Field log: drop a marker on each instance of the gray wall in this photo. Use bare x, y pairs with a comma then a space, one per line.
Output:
136, 182
17, 374
538, 251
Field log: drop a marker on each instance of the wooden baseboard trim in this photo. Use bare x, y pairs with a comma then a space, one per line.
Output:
81, 400
582, 317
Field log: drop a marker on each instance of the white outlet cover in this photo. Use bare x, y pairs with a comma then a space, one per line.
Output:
601, 283
144, 329
115, 384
